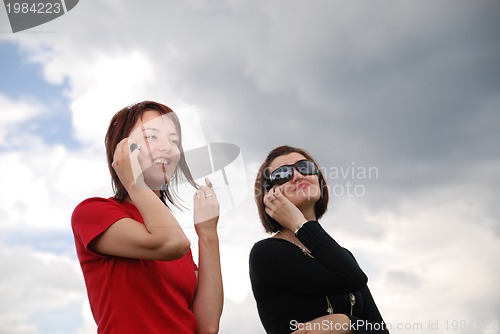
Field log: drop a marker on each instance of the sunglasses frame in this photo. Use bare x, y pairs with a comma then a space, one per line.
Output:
271, 182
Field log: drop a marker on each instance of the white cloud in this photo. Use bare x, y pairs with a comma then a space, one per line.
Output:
32, 282
109, 83
43, 184
14, 113
435, 260
89, 326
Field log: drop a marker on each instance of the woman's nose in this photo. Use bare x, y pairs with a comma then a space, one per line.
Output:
297, 176
165, 146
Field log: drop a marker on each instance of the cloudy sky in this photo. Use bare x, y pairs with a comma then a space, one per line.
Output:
397, 100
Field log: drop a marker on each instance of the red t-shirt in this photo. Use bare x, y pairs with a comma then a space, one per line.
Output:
129, 295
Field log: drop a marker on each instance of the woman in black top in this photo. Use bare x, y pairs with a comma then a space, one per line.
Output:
302, 279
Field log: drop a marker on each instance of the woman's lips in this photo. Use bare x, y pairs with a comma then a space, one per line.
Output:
302, 186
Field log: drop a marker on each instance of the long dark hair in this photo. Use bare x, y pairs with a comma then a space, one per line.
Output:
261, 185
120, 127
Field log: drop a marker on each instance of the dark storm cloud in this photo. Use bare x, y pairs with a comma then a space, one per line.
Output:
406, 87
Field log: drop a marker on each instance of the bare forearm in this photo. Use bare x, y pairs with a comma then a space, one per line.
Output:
209, 298
158, 219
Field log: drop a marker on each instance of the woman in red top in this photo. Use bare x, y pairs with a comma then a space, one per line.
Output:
136, 260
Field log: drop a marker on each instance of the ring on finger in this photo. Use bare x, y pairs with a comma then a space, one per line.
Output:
134, 147
208, 195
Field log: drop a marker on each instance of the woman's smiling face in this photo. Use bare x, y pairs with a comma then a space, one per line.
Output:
159, 153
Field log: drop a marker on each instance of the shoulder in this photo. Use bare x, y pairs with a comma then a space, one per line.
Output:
95, 203
92, 208
350, 253
267, 249
263, 245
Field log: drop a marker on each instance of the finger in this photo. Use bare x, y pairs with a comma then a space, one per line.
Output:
208, 182
199, 195
208, 192
119, 149
279, 196
133, 148
124, 144
269, 200
276, 192
203, 194
272, 196
269, 211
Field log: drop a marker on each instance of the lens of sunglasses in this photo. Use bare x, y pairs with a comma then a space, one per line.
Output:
281, 175
284, 173
306, 167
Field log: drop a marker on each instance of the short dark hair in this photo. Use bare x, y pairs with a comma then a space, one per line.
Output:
261, 181
121, 126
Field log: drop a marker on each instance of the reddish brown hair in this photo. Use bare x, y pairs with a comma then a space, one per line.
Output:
121, 126
260, 188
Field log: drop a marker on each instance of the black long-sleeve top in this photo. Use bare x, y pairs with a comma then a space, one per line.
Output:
291, 287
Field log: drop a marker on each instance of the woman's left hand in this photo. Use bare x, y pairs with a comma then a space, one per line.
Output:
206, 208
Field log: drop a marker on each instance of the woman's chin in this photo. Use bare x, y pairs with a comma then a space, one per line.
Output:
156, 178
157, 184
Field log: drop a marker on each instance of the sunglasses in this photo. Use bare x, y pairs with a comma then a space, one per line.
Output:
284, 173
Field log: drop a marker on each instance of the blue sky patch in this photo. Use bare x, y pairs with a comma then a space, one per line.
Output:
21, 79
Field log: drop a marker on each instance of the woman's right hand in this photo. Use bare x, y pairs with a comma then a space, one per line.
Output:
206, 208
282, 210
126, 164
